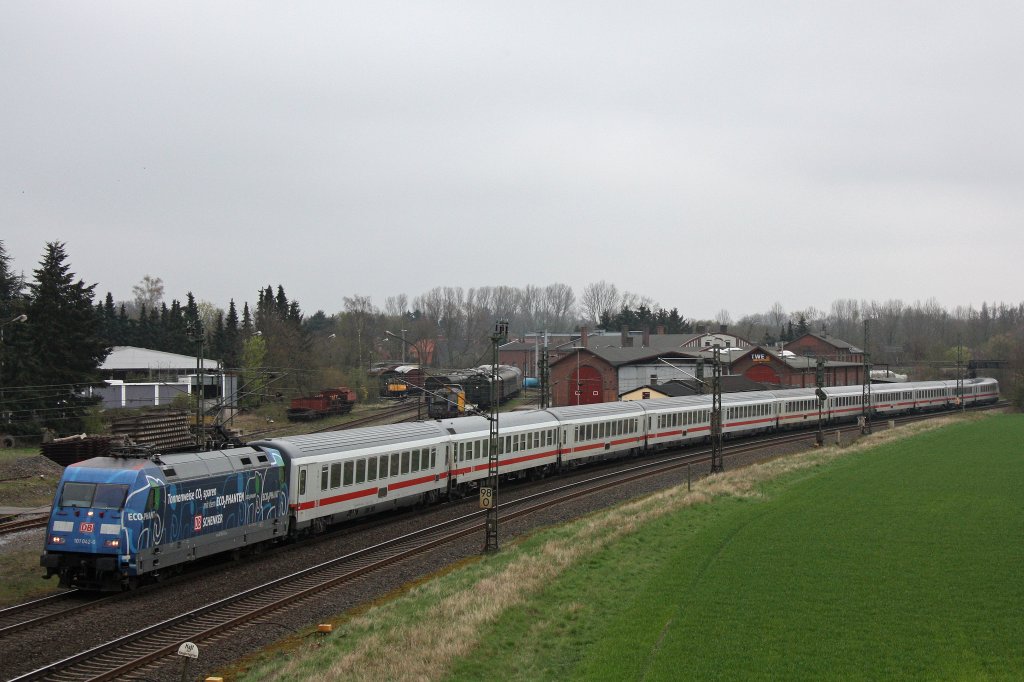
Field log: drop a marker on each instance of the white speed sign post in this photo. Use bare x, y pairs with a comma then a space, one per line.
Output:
189, 651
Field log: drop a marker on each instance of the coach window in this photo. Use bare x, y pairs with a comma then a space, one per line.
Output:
323, 477
361, 471
371, 469
462, 452
393, 471
415, 460
348, 473
424, 459
405, 462
302, 482
336, 475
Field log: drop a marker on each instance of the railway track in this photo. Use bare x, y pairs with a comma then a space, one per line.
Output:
135, 653
22, 524
38, 611
398, 413
391, 415
129, 655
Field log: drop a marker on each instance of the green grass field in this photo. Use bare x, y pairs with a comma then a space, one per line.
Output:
904, 561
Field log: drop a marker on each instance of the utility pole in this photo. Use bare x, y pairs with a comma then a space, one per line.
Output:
716, 414
865, 391
819, 380
194, 330
545, 377
959, 374
3, 357
699, 374
489, 493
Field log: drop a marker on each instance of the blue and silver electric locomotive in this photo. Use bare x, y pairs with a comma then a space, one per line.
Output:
118, 520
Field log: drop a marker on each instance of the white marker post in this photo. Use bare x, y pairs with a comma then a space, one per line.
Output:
189, 651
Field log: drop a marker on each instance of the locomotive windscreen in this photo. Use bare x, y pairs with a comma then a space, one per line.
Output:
96, 495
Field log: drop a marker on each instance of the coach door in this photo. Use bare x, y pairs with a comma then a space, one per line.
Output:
307, 488
448, 466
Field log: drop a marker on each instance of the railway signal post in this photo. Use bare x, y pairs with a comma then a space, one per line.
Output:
819, 380
194, 330
716, 414
959, 375
865, 393
489, 492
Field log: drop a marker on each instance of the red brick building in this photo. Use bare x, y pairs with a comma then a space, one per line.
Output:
825, 346
764, 366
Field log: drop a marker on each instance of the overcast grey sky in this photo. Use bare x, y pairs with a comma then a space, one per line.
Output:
713, 155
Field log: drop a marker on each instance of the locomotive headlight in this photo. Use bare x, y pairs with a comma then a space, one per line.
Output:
58, 540
111, 543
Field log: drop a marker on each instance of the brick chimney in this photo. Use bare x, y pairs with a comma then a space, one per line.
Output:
626, 340
647, 337
659, 330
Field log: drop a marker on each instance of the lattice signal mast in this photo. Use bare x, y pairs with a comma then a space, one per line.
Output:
489, 493
716, 413
865, 391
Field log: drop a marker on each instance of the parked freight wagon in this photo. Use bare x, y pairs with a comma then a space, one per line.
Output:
328, 402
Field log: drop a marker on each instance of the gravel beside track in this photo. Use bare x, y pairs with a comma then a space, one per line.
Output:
26, 651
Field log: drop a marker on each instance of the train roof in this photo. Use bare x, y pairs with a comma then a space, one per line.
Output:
174, 466
313, 444
598, 410
187, 465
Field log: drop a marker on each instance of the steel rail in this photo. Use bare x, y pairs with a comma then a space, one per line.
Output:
136, 650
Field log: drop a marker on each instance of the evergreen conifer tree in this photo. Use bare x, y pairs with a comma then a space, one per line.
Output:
67, 345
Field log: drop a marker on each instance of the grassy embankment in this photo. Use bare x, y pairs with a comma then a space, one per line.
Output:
905, 560
19, 562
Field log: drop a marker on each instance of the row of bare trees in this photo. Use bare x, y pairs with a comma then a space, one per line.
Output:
450, 326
